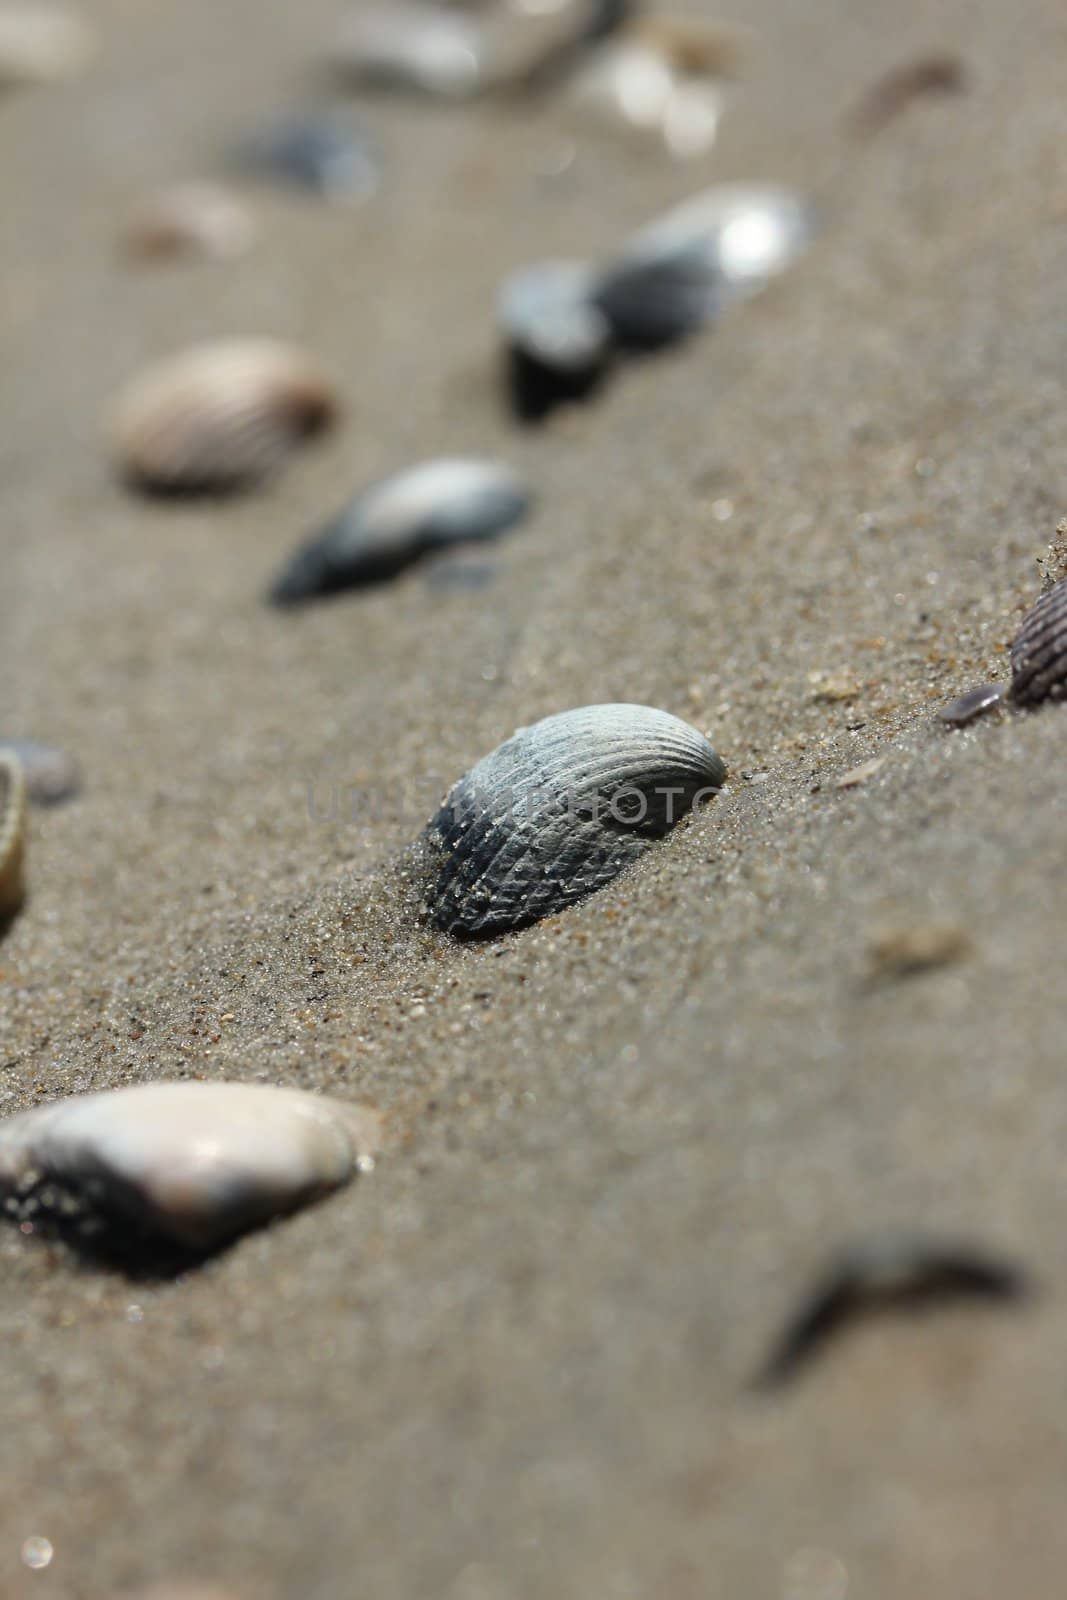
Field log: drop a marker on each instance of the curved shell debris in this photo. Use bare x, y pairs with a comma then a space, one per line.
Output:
426, 507
12, 834
1039, 651
559, 810
220, 416
191, 1163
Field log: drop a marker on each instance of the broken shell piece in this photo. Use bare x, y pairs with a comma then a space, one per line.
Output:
559, 341
321, 155
410, 46
888, 1272
559, 810
920, 947
392, 524
191, 1163
1039, 651
51, 775
42, 44
12, 834
191, 219
676, 272
975, 703
220, 416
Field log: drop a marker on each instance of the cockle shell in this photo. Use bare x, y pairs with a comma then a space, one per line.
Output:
426, 48
220, 416
191, 219
1039, 652
50, 775
193, 1163
12, 834
675, 274
560, 809
41, 44
393, 523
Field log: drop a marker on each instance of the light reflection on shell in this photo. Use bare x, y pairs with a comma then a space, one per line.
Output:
559, 810
12, 834
220, 416
193, 1163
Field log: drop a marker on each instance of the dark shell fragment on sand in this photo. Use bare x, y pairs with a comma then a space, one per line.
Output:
559, 341
318, 154
392, 524
1039, 653
559, 810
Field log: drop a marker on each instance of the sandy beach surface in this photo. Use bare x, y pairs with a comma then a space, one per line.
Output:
514, 1362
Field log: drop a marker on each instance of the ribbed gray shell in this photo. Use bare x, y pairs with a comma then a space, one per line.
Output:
560, 809
1039, 653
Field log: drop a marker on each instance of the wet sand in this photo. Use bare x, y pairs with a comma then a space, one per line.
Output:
514, 1361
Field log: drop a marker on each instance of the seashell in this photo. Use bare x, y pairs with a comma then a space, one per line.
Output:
559, 810
220, 416
1039, 651
42, 44
191, 1163
410, 46
12, 834
559, 341
50, 775
191, 219
975, 703
442, 502
319, 154
675, 274
887, 1272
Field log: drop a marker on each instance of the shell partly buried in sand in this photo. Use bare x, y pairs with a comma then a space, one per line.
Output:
1039, 652
559, 810
191, 1163
12, 834
220, 416
448, 501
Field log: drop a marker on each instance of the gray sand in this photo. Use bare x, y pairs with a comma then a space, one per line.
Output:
512, 1363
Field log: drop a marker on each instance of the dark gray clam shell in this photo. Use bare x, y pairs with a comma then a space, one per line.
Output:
676, 273
442, 502
1039, 653
559, 340
559, 810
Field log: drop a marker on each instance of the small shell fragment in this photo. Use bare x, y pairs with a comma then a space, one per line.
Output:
902, 952
220, 416
318, 154
41, 44
887, 1272
677, 272
191, 1163
424, 48
559, 341
859, 775
1039, 653
559, 810
191, 219
975, 703
443, 502
51, 776
12, 834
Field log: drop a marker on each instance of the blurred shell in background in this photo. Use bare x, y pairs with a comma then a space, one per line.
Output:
220, 416
322, 155
190, 219
424, 48
12, 834
42, 44
50, 775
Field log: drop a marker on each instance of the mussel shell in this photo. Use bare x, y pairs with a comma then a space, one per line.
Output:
12, 834
220, 416
51, 776
559, 340
1039, 653
424, 48
446, 501
318, 154
559, 810
193, 1163
676, 273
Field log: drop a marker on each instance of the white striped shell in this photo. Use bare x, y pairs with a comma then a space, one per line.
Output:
12, 834
559, 810
192, 1163
220, 416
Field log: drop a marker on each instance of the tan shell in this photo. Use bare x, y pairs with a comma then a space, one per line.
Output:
220, 416
12, 834
41, 44
191, 219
